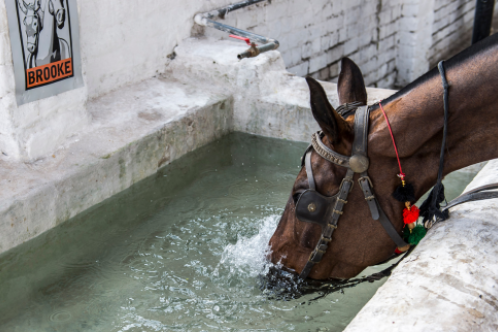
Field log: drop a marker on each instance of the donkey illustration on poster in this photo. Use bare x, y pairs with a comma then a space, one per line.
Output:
42, 18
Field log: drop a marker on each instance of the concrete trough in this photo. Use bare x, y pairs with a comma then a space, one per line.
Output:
447, 284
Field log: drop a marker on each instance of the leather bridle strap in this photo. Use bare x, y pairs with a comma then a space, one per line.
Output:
477, 194
309, 172
322, 245
357, 163
430, 208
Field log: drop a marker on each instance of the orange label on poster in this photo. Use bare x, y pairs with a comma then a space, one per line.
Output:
49, 73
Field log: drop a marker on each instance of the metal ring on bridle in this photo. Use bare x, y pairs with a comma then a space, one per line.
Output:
358, 163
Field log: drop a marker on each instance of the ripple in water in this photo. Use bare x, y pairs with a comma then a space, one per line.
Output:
185, 251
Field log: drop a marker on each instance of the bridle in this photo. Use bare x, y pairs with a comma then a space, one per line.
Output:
313, 207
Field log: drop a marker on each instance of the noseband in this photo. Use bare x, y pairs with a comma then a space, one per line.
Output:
313, 207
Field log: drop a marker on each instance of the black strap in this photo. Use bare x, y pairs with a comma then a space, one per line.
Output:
477, 194
431, 207
367, 188
390, 230
347, 109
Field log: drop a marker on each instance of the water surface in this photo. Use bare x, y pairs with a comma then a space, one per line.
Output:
179, 251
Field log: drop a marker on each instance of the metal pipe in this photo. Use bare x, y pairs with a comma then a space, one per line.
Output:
482, 19
221, 12
206, 19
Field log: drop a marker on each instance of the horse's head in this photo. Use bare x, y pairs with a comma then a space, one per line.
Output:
359, 241
31, 22
56, 8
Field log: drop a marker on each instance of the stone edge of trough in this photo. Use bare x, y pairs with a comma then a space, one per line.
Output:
449, 282
92, 170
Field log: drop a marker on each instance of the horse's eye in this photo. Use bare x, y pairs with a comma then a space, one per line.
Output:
295, 197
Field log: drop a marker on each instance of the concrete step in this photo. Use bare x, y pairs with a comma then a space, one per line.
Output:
133, 132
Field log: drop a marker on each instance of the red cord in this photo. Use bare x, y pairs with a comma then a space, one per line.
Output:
247, 40
401, 174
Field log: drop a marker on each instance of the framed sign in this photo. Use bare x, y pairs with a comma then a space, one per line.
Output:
44, 36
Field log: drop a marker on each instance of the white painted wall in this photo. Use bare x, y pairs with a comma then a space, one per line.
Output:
123, 43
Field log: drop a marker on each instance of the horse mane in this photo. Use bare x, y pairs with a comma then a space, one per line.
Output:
457, 60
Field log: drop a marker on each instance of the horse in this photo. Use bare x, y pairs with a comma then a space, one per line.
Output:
42, 42
416, 116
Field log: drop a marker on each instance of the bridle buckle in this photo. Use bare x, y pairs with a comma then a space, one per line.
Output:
366, 177
347, 180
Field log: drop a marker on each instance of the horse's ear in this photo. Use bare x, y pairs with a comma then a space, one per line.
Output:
332, 124
351, 86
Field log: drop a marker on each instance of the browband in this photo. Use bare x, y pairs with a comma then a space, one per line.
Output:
326, 153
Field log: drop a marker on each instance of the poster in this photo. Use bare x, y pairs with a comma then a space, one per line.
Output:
44, 38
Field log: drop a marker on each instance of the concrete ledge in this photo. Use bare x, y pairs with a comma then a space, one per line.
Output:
268, 100
134, 131
449, 282
205, 93
287, 113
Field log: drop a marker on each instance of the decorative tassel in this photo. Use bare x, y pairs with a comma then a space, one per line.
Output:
402, 249
410, 214
404, 193
413, 236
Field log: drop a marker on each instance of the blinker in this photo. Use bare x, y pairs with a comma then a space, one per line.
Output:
314, 208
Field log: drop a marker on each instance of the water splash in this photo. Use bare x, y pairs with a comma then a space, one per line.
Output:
248, 255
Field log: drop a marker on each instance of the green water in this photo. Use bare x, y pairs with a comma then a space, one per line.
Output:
179, 251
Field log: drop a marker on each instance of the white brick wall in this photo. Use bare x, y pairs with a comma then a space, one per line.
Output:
393, 41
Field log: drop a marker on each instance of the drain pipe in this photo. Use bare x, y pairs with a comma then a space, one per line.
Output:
206, 19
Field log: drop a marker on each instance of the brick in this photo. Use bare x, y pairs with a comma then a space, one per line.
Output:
350, 46
316, 46
300, 70
295, 56
324, 74
334, 69
306, 50
342, 34
334, 54
318, 62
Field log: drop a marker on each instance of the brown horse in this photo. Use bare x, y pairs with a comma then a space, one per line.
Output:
416, 116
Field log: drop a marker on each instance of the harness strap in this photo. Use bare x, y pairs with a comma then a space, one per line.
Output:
390, 230
357, 163
430, 208
344, 110
322, 245
367, 188
309, 172
477, 194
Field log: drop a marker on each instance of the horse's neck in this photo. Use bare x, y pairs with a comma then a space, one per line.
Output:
417, 121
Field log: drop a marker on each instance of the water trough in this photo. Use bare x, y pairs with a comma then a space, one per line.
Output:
447, 284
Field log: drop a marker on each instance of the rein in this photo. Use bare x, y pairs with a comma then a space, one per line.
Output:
431, 207
312, 207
